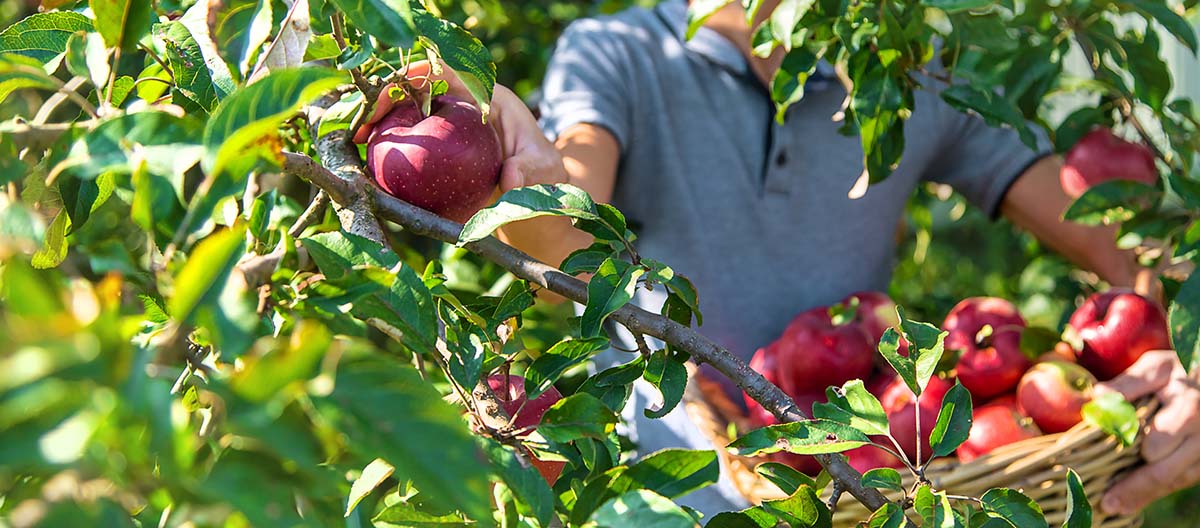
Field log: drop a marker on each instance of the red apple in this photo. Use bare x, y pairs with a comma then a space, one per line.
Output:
996, 424
526, 413
1101, 156
448, 163
1115, 328
991, 363
875, 312
1053, 394
815, 353
901, 407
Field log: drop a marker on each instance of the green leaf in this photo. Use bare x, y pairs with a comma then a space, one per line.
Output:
165, 143
239, 32
371, 477
1014, 507
802, 509
888, 516
883, 478
808, 437
926, 344
586, 260
682, 290
1079, 511
525, 482
406, 515
234, 133
671, 473
609, 289
54, 245
951, 6
1176, 24
667, 373
1184, 317
121, 22
994, 109
390, 21
1114, 415
953, 422
876, 103
787, 87
193, 79
934, 508
18, 72
641, 508
205, 295
1151, 76
699, 11
336, 253
784, 477
551, 365
889, 348
754, 517
81, 197
853, 405
386, 410
613, 385
43, 36
461, 51
576, 416
529, 202
1111, 202
1076, 125
286, 362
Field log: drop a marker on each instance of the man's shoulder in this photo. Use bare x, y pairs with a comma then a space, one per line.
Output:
633, 27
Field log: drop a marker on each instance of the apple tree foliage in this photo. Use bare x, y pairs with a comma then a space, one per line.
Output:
192, 334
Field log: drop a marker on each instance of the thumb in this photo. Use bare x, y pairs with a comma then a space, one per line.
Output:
1148, 375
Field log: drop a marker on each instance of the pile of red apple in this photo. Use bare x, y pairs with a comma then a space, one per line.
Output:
1015, 396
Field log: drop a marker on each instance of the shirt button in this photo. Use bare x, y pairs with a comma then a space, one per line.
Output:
781, 158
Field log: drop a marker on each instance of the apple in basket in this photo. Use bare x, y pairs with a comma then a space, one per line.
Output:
996, 424
901, 407
1113, 329
988, 332
1052, 393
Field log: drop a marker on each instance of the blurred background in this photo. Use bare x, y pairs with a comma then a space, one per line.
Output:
949, 251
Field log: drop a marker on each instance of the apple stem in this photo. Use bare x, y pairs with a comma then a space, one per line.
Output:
917, 409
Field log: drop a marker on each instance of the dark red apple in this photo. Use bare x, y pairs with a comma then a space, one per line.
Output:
1101, 156
901, 407
876, 312
1115, 328
448, 163
996, 424
526, 413
991, 362
1053, 394
814, 353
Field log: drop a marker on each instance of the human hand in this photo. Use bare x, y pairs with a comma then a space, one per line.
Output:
1171, 447
529, 158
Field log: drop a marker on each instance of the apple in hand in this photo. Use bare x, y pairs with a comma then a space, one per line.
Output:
1101, 156
526, 413
1115, 328
992, 362
448, 162
1053, 393
901, 406
996, 424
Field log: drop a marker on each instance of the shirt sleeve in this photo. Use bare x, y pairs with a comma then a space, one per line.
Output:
587, 82
978, 160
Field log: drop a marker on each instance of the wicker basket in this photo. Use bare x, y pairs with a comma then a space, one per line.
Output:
1036, 467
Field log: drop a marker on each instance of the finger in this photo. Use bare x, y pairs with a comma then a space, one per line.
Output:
1178, 419
1153, 481
420, 72
383, 105
512, 175
1150, 373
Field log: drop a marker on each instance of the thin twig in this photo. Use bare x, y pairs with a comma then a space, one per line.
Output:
65, 91
311, 215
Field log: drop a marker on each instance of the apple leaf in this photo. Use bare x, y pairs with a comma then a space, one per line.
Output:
1176, 24
551, 365
1079, 511
933, 508
406, 514
666, 372
19, 73
801, 509
461, 51
755, 517
586, 260
1113, 415
784, 477
926, 344
525, 482
193, 80
1111, 202
699, 11
609, 289
853, 405
121, 22
43, 36
576, 416
1184, 316
613, 385
883, 478
994, 109
889, 348
642, 508
888, 516
953, 421
671, 472
204, 278
1076, 125
951, 6
1012, 506
371, 477
808, 437
390, 21
529, 202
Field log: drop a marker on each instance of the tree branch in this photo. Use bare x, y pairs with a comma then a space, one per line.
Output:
636, 319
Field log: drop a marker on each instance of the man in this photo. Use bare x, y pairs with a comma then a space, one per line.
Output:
680, 136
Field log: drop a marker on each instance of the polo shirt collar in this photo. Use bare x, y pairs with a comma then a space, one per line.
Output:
706, 42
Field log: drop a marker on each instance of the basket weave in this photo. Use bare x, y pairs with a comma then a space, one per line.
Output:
1037, 467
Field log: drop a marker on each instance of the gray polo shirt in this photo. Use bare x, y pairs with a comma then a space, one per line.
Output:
756, 213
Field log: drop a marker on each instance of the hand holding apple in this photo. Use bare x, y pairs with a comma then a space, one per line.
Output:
1115, 328
1101, 156
1171, 447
